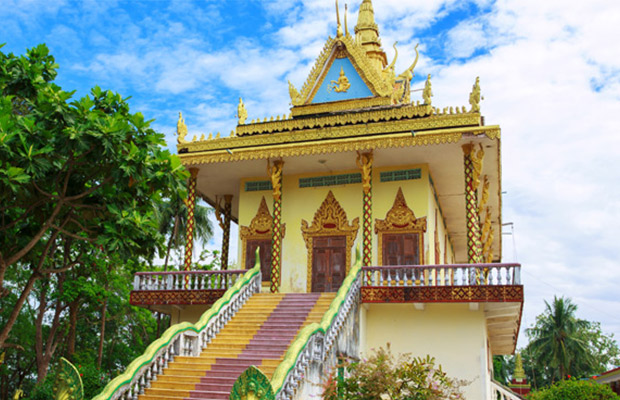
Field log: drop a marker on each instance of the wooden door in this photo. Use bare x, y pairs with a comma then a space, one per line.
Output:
328, 263
401, 249
265, 256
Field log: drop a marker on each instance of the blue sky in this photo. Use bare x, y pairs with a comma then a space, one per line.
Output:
549, 71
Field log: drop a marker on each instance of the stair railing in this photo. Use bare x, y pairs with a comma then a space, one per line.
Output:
315, 346
182, 339
500, 392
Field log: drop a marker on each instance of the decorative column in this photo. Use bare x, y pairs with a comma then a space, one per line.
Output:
473, 168
275, 173
225, 225
364, 163
191, 205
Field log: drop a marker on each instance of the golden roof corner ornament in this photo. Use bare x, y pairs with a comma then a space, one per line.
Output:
341, 85
474, 96
339, 29
427, 93
181, 130
242, 113
408, 73
388, 72
296, 99
346, 29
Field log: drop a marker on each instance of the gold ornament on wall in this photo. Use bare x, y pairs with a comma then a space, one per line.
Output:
275, 174
341, 85
364, 163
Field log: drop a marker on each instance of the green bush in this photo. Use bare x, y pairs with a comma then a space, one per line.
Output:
572, 389
383, 376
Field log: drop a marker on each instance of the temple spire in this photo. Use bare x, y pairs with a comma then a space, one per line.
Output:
367, 35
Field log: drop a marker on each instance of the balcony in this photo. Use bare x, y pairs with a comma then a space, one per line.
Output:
494, 288
161, 291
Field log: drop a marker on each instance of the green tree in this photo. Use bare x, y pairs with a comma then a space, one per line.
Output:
172, 215
72, 173
573, 389
560, 344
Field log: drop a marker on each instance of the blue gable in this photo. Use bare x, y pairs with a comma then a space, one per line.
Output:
328, 90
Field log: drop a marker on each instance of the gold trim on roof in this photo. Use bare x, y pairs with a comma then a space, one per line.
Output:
323, 147
348, 105
329, 220
392, 113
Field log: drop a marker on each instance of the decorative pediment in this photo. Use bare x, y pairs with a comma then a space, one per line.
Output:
341, 54
330, 219
400, 217
261, 226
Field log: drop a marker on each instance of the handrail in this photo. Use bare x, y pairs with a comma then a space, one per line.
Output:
500, 392
493, 274
182, 338
186, 280
284, 379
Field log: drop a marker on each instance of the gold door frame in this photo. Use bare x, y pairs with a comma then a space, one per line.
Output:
329, 220
400, 219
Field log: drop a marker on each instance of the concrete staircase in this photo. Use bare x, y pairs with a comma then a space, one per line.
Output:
259, 334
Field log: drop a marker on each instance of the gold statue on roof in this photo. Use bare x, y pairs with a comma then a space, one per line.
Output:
427, 93
242, 113
474, 96
181, 129
341, 85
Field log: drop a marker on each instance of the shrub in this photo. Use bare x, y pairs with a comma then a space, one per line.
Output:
572, 389
383, 376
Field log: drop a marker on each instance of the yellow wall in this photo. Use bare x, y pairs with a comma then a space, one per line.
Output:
302, 203
452, 333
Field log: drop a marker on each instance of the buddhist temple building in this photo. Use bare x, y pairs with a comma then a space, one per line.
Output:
367, 215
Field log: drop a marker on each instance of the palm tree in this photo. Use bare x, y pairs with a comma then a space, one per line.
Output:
557, 340
173, 223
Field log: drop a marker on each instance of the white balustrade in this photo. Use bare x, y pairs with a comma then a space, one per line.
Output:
500, 392
187, 342
442, 275
321, 347
186, 280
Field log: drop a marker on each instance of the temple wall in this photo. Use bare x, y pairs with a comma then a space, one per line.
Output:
302, 203
452, 333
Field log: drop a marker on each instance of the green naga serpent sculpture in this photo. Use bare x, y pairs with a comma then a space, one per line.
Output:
68, 384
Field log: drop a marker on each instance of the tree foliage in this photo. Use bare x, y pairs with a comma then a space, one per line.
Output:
80, 185
562, 345
570, 389
383, 376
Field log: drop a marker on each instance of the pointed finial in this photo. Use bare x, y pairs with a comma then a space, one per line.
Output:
519, 373
346, 29
339, 29
242, 113
474, 96
427, 93
181, 129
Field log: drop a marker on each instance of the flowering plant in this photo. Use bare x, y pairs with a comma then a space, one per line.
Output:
386, 377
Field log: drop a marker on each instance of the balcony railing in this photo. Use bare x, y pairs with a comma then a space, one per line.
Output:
442, 283
157, 289
442, 275
186, 280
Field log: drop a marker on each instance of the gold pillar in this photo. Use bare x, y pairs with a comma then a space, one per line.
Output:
364, 162
473, 168
275, 173
191, 205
